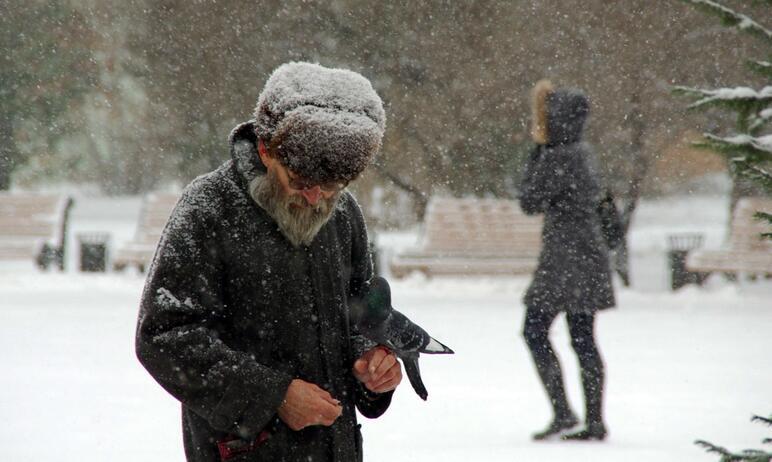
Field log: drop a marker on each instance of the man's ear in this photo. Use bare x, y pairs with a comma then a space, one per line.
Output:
265, 157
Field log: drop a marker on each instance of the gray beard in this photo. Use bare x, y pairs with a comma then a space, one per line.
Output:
299, 225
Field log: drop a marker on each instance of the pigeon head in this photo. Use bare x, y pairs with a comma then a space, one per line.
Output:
375, 305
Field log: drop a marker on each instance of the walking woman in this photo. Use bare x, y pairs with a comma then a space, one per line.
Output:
573, 275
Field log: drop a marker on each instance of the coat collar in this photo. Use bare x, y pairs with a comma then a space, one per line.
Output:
242, 142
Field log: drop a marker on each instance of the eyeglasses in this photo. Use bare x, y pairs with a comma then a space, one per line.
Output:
300, 184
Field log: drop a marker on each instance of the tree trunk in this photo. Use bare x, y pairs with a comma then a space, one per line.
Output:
8, 152
640, 170
420, 198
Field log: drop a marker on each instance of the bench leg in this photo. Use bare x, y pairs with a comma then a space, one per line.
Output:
59, 258
43, 259
700, 277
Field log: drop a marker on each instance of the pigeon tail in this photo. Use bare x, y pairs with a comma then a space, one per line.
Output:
436, 348
414, 375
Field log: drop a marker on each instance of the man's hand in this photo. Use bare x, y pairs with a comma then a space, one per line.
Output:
306, 404
378, 369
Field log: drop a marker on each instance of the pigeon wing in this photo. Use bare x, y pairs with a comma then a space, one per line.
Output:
410, 337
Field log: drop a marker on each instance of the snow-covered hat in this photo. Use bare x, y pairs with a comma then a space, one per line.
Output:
323, 124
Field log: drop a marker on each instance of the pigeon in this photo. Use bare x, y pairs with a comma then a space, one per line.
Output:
375, 318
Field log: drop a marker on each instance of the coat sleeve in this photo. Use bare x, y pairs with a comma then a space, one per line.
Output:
369, 404
543, 180
181, 314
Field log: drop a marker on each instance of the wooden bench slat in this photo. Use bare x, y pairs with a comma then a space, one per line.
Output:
34, 226
473, 236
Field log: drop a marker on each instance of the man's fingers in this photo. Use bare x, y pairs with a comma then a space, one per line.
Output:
326, 396
360, 366
376, 359
331, 400
307, 404
328, 413
387, 377
384, 367
387, 386
388, 381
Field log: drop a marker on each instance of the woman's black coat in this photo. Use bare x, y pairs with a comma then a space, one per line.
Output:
232, 312
573, 272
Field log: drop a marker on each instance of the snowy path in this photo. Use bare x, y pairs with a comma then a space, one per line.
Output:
682, 366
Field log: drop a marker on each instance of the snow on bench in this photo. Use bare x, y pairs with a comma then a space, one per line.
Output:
34, 227
155, 211
473, 237
745, 251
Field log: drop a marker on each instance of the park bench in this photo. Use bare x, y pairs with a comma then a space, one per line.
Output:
745, 251
473, 237
153, 215
34, 227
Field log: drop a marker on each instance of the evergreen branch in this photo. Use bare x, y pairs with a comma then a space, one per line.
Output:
755, 173
739, 98
756, 418
755, 454
744, 155
760, 119
748, 455
761, 145
710, 447
763, 68
764, 216
732, 18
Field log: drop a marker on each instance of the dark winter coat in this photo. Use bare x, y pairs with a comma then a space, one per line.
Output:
232, 312
573, 272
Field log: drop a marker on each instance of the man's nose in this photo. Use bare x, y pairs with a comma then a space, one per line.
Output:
312, 195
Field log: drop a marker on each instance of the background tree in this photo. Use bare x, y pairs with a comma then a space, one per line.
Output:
45, 69
748, 150
175, 76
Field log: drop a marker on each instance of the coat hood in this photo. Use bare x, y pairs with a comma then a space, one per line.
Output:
559, 115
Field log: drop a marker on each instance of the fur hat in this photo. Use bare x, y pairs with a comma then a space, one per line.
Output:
323, 124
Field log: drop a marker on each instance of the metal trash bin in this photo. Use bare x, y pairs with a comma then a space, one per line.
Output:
679, 247
93, 251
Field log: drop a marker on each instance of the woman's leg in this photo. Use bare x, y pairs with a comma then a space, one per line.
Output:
582, 329
536, 332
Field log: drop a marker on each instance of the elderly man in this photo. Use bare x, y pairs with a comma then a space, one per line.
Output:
244, 316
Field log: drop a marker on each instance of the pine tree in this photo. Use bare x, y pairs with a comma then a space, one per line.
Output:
749, 150
747, 455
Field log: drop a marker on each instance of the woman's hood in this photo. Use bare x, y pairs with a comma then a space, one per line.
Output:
559, 115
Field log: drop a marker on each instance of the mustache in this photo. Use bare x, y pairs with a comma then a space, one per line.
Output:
300, 224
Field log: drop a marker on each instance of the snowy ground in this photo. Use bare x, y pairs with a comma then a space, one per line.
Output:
680, 366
